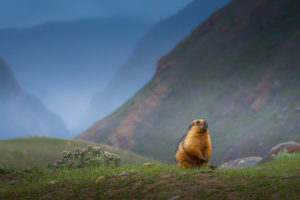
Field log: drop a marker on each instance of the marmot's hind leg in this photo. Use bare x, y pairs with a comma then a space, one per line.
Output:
184, 164
205, 165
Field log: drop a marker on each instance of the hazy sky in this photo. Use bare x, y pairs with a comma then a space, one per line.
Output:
20, 13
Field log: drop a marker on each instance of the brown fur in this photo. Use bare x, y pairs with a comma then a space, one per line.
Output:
194, 149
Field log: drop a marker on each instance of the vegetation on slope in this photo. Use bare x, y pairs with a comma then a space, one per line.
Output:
277, 179
140, 67
42, 151
239, 70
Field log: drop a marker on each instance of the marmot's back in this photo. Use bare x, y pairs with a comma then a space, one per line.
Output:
194, 149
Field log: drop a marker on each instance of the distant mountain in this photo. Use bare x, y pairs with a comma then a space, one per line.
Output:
141, 66
239, 70
16, 13
22, 114
66, 63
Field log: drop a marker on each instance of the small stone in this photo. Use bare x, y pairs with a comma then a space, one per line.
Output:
13, 182
175, 197
123, 173
284, 109
148, 164
165, 175
241, 162
100, 178
133, 171
52, 182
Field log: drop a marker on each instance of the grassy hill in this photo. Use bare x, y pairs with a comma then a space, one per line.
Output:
239, 70
278, 179
41, 151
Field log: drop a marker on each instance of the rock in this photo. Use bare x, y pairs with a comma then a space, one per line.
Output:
148, 164
52, 182
284, 109
175, 197
165, 175
123, 173
291, 147
14, 182
100, 178
298, 109
241, 162
133, 171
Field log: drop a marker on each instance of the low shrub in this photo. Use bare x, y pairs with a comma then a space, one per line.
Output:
89, 156
282, 154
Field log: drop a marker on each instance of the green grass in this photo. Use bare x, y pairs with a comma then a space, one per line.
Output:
41, 151
277, 179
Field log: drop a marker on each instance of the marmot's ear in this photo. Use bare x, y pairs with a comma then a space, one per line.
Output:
192, 124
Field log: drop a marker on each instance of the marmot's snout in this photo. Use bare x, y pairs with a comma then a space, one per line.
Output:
203, 125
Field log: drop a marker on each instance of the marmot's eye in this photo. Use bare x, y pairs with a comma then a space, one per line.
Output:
198, 122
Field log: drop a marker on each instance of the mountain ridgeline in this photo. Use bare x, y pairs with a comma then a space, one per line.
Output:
239, 70
22, 114
141, 66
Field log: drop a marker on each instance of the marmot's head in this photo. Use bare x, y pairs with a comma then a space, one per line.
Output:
199, 125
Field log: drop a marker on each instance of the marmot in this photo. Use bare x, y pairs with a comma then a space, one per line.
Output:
194, 148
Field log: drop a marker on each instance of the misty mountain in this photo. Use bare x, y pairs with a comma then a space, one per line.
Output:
65, 63
142, 64
20, 13
239, 70
22, 114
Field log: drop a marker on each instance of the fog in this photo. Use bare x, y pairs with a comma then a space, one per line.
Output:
20, 13
66, 53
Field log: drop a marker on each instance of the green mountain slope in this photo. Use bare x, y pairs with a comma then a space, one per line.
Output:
141, 65
41, 151
239, 70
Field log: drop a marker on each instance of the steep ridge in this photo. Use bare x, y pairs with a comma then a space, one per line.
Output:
22, 114
239, 70
141, 66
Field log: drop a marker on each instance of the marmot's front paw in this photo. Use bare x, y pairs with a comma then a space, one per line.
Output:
204, 159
